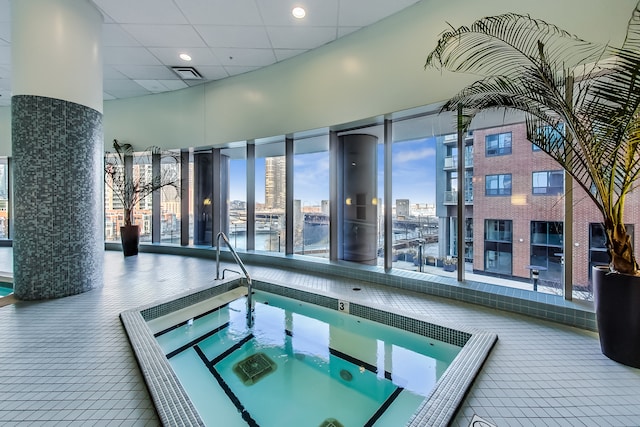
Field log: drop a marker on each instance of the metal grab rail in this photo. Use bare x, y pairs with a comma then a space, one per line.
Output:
244, 271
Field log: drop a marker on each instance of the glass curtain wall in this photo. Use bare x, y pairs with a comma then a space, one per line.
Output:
203, 198
142, 214
423, 170
237, 202
311, 195
170, 202
271, 195
514, 197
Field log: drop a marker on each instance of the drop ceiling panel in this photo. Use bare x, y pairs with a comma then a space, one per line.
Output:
234, 36
213, 72
142, 11
174, 84
114, 35
108, 72
199, 56
165, 35
221, 12
300, 38
245, 57
152, 85
142, 72
128, 55
115, 86
319, 12
157, 86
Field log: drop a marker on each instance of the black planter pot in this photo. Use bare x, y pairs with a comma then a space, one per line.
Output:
130, 238
617, 303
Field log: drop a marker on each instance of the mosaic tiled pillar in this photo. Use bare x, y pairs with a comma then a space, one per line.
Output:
57, 148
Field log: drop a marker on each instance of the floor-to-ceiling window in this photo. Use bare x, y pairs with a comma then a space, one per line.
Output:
170, 199
271, 195
415, 190
311, 195
237, 202
513, 195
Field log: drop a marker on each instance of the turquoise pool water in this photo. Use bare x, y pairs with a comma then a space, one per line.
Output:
4, 291
301, 364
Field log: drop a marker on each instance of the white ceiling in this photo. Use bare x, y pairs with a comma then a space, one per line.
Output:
143, 38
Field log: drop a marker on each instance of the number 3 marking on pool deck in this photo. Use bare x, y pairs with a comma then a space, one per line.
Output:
343, 306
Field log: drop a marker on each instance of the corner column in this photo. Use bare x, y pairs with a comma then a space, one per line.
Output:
57, 144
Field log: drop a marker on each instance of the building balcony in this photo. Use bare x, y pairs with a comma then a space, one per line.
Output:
452, 138
451, 197
451, 162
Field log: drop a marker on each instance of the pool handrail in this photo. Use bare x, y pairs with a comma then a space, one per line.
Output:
244, 271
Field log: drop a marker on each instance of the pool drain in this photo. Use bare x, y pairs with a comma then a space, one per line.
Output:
254, 368
346, 375
331, 422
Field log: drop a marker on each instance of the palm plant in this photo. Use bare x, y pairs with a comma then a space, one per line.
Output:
129, 187
580, 100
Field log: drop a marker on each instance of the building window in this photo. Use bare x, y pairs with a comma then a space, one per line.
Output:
548, 182
555, 135
546, 250
498, 144
498, 185
498, 239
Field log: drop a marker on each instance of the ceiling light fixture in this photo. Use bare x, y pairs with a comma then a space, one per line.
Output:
185, 57
298, 12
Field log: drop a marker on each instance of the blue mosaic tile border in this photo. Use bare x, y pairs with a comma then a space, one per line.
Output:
417, 326
175, 408
58, 242
157, 310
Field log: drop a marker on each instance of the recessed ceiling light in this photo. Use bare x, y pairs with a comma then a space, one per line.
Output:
185, 57
298, 12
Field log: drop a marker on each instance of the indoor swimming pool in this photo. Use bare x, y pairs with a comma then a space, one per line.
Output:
5, 289
303, 362
303, 359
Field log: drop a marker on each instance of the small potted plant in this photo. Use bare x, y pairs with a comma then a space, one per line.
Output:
581, 103
129, 188
449, 263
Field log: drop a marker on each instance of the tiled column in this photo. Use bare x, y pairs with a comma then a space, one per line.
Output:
57, 137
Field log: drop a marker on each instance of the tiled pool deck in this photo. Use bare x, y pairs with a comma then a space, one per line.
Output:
68, 361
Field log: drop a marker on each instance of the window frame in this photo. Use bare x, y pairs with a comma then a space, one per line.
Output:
550, 190
500, 190
501, 148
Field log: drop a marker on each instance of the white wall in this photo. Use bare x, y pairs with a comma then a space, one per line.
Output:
374, 71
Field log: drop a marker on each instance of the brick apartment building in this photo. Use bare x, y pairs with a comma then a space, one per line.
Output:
517, 210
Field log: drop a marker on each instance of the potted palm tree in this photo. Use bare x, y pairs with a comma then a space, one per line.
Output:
131, 186
581, 106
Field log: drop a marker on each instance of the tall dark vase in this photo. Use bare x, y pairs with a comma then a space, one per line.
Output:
617, 301
130, 238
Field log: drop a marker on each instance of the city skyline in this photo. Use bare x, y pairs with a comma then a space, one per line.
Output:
414, 163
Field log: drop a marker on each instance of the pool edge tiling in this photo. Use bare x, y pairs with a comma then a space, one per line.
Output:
439, 408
